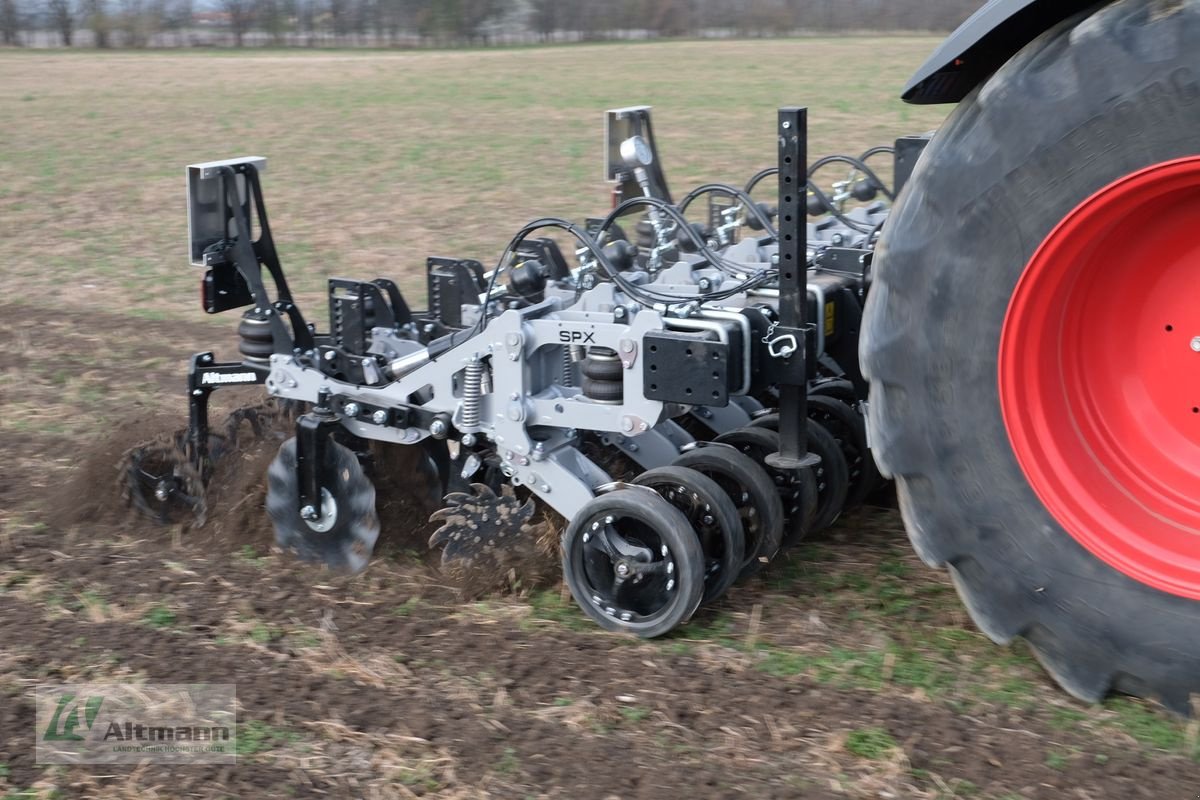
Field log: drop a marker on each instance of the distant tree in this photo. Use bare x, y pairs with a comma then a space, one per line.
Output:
177, 17
132, 22
270, 17
240, 14
95, 14
546, 17
62, 17
669, 17
467, 18
10, 22
391, 18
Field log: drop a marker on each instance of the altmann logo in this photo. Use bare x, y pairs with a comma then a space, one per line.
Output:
126, 723
154, 733
66, 718
228, 377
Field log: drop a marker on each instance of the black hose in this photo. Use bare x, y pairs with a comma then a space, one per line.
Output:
732, 191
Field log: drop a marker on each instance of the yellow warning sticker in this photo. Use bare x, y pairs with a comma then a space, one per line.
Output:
829, 323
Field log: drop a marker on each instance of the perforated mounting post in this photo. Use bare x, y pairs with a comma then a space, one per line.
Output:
790, 362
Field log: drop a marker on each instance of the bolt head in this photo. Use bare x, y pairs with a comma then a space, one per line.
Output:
308, 512
330, 355
379, 417
351, 409
622, 570
437, 428
1195, 344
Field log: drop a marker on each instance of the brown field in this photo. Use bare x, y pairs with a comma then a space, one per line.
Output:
847, 670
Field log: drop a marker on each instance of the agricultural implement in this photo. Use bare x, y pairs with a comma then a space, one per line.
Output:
688, 391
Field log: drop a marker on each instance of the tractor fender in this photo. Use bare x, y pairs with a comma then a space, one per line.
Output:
979, 46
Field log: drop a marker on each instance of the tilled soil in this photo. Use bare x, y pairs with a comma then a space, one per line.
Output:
846, 670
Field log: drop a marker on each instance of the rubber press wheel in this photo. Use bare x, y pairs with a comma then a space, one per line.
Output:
849, 430
1031, 341
831, 475
713, 517
633, 562
797, 488
753, 493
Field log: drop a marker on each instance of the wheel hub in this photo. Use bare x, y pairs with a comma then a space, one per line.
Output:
323, 520
1099, 375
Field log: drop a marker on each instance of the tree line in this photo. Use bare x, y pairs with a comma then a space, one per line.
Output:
159, 23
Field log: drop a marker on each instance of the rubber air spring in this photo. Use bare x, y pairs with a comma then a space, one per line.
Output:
603, 376
255, 341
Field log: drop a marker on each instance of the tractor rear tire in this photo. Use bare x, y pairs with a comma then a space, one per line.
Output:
1018, 169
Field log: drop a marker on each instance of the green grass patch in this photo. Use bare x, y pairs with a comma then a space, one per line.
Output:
508, 764
1149, 725
1058, 759
634, 713
259, 737
261, 633
407, 607
160, 617
871, 743
549, 604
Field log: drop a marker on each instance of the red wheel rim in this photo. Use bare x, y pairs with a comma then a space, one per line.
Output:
1099, 381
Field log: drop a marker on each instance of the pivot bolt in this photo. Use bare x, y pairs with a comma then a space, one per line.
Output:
622, 569
351, 409
379, 417
308, 512
1196, 344
437, 428
468, 440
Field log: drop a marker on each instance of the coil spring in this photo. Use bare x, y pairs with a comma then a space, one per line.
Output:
472, 391
572, 355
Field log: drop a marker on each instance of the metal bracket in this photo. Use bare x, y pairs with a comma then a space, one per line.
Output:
205, 375
312, 465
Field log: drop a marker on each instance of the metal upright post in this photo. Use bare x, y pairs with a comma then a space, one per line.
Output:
788, 343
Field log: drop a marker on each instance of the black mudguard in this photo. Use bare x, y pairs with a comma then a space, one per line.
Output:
988, 38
